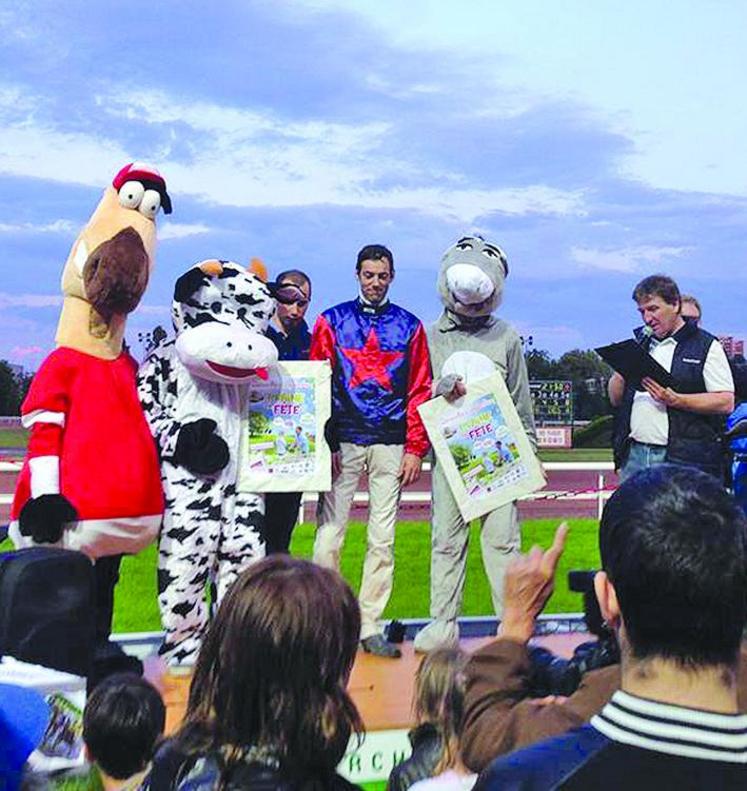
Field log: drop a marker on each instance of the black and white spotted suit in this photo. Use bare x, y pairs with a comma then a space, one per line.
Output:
211, 532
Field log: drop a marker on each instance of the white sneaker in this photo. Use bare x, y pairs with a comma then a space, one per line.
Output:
438, 634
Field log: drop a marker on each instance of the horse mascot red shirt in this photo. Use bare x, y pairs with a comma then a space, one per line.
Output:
91, 478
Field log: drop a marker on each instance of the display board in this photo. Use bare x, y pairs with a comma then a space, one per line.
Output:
552, 401
480, 444
283, 447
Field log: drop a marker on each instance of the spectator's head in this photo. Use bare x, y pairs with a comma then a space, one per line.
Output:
690, 308
659, 301
123, 721
293, 294
274, 665
673, 546
439, 698
374, 268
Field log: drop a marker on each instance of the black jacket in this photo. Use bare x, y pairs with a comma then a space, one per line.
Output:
633, 743
295, 346
173, 771
694, 439
427, 747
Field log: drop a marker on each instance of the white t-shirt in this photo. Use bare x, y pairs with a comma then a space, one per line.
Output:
649, 421
446, 781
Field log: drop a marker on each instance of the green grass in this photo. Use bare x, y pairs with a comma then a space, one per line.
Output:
18, 438
136, 607
13, 437
576, 454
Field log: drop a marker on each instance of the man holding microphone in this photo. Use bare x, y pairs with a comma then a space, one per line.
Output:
679, 424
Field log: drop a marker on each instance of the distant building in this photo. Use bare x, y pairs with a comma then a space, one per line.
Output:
732, 346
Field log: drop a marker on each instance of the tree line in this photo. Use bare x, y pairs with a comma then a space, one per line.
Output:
588, 372
13, 389
585, 368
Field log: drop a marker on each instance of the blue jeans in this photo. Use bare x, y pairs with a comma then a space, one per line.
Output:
641, 457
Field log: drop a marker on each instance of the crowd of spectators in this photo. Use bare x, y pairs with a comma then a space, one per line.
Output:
269, 707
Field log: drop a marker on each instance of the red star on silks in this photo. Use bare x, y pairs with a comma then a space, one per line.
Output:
371, 362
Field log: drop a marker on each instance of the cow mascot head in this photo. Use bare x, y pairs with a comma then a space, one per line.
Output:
220, 313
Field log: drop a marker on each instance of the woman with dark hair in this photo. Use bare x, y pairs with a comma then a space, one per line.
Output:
268, 706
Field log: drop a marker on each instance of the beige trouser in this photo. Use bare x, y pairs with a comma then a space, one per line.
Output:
382, 463
500, 539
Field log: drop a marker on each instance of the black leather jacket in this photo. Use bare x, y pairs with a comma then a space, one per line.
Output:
427, 748
172, 771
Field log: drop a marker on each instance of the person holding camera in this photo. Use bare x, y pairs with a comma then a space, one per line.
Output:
673, 586
503, 711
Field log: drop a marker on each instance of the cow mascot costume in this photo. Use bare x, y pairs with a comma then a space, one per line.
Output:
195, 391
467, 344
91, 480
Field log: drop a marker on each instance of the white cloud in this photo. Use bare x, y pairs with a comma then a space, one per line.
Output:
676, 97
29, 300
175, 230
21, 352
252, 159
246, 158
57, 226
554, 338
238, 125
398, 91
627, 259
13, 98
45, 152
153, 310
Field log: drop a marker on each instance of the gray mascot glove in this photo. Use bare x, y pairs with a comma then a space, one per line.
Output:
445, 386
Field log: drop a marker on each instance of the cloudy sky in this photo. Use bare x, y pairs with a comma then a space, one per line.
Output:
595, 142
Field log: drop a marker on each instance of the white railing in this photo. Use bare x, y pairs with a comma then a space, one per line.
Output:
601, 494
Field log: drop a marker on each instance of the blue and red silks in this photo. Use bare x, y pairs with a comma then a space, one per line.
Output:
380, 373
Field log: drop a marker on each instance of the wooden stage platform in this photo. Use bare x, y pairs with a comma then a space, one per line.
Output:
382, 688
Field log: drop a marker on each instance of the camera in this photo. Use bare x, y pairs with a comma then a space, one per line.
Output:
553, 675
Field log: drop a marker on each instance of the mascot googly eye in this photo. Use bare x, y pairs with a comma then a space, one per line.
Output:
140, 186
91, 480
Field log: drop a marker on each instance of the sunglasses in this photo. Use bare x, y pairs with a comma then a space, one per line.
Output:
289, 294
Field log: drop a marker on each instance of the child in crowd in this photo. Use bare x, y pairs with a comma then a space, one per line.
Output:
435, 763
123, 723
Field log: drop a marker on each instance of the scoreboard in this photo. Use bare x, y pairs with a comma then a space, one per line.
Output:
552, 401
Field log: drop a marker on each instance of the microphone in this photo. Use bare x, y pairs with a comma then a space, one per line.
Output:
645, 336
642, 339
